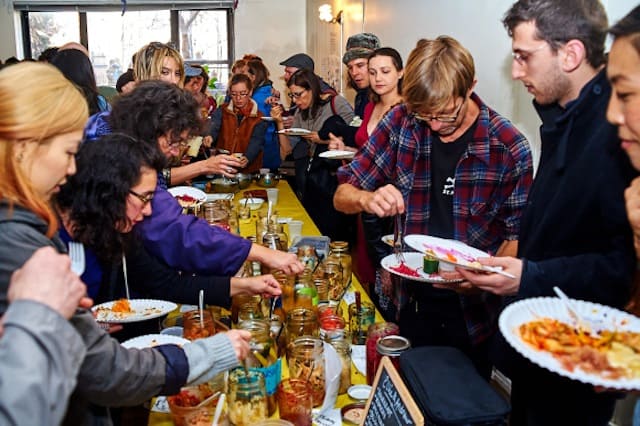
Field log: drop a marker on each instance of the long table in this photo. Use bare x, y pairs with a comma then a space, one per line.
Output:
288, 206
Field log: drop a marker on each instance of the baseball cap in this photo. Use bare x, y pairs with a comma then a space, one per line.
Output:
190, 71
360, 46
299, 60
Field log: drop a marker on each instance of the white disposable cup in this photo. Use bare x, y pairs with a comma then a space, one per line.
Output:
272, 195
295, 229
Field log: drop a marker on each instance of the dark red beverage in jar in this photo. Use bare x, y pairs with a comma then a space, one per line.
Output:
376, 332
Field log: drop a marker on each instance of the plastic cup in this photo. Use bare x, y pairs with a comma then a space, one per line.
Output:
295, 229
272, 195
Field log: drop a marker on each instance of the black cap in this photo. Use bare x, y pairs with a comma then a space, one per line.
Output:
299, 60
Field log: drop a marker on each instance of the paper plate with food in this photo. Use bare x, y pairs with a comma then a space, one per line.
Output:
416, 267
132, 310
295, 131
606, 353
151, 340
188, 196
337, 154
451, 252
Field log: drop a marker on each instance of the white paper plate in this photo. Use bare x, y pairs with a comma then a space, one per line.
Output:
599, 316
464, 255
414, 261
151, 340
295, 131
179, 191
359, 392
337, 154
143, 309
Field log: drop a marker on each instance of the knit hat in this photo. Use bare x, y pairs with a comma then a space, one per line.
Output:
360, 46
299, 60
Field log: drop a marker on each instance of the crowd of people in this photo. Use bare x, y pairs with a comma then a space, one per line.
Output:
429, 154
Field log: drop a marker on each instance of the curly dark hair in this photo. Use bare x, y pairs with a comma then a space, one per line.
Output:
155, 108
95, 198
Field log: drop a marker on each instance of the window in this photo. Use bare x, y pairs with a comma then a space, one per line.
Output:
203, 36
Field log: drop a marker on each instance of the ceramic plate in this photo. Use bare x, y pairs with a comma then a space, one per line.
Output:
414, 261
449, 251
151, 340
599, 316
141, 310
337, 154
294, 131
188, 196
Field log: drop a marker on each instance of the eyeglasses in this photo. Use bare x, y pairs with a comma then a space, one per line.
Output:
146, 199
178, 144
239, 95
294, 95
522, 56
440, 118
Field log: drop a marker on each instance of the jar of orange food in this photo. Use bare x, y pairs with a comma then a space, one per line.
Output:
197, 325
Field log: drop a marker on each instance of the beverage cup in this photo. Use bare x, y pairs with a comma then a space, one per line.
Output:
295, 229
272, 195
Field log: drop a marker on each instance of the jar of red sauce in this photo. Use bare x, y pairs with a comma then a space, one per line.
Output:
392, 347
376, 332
332, 327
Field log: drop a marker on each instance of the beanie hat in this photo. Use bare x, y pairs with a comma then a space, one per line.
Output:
299, 60
360, 46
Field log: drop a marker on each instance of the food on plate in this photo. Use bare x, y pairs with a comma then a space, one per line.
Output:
353, 414
122, 305
403, 269
452, 255
609, 354
430, 264
186, 201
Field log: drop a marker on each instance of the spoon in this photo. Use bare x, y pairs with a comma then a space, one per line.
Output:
218, 412
201, 306
207, 400
580, 322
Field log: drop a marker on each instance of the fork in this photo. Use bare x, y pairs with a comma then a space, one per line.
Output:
397, 238
76, 253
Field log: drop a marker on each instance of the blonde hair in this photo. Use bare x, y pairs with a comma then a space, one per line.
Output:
149, 59
34, 112
437, 71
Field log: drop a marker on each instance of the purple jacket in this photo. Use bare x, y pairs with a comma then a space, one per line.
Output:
183, 242
190, 244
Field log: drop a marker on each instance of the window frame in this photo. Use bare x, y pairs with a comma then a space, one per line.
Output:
174, 7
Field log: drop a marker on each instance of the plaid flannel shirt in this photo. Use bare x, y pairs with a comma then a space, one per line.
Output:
492, 180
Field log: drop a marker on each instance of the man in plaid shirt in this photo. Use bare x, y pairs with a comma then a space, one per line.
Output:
455, 169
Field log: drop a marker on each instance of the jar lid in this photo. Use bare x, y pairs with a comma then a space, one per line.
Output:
392, 345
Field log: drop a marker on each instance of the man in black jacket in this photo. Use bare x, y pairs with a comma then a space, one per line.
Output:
574, 233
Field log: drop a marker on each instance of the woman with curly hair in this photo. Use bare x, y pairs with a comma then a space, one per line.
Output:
40, 131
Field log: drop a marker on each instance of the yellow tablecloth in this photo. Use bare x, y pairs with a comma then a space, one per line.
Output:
288, 206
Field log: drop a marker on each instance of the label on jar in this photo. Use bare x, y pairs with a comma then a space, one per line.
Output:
272, 376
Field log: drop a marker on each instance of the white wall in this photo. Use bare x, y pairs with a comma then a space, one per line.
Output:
476, 24
273, 30
7, 30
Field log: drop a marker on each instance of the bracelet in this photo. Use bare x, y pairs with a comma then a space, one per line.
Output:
166, 175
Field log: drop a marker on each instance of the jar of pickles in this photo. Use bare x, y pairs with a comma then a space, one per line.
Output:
375, 333
264, 357
247, 397
306, 362
340, 251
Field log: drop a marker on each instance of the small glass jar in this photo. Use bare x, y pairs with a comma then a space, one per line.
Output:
264, 358
359, 321
329, 307
247, 397
331, 270
308, 256
322, 288
245, 302
196, 326
305, 294
294, 401
216, 215
340, 250
376, 332
287, 285
393, 346
300, 322
343, 348
307, 363
332, 327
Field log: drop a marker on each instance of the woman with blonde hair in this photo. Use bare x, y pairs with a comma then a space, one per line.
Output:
40, 131
159, 61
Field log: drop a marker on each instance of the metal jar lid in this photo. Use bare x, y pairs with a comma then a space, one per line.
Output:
392, 345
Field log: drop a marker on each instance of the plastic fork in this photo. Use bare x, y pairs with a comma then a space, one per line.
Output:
397, 239
76, 253
573, 313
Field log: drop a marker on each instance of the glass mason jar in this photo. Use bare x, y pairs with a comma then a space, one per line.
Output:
359, 321
375, 333
300, 322
322, 288
306, 362
216, 215
287, 284
264, 357
251, 306
332, 327
196, 326
247, 397
343, 348
331, 271
305, 294
340, 251
393, 346
308, 256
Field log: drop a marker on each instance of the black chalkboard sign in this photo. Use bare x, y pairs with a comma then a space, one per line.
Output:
390, 403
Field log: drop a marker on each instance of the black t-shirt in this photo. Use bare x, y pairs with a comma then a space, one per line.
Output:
444, 160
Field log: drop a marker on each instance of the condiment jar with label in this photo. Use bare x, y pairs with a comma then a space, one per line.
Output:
264, 357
